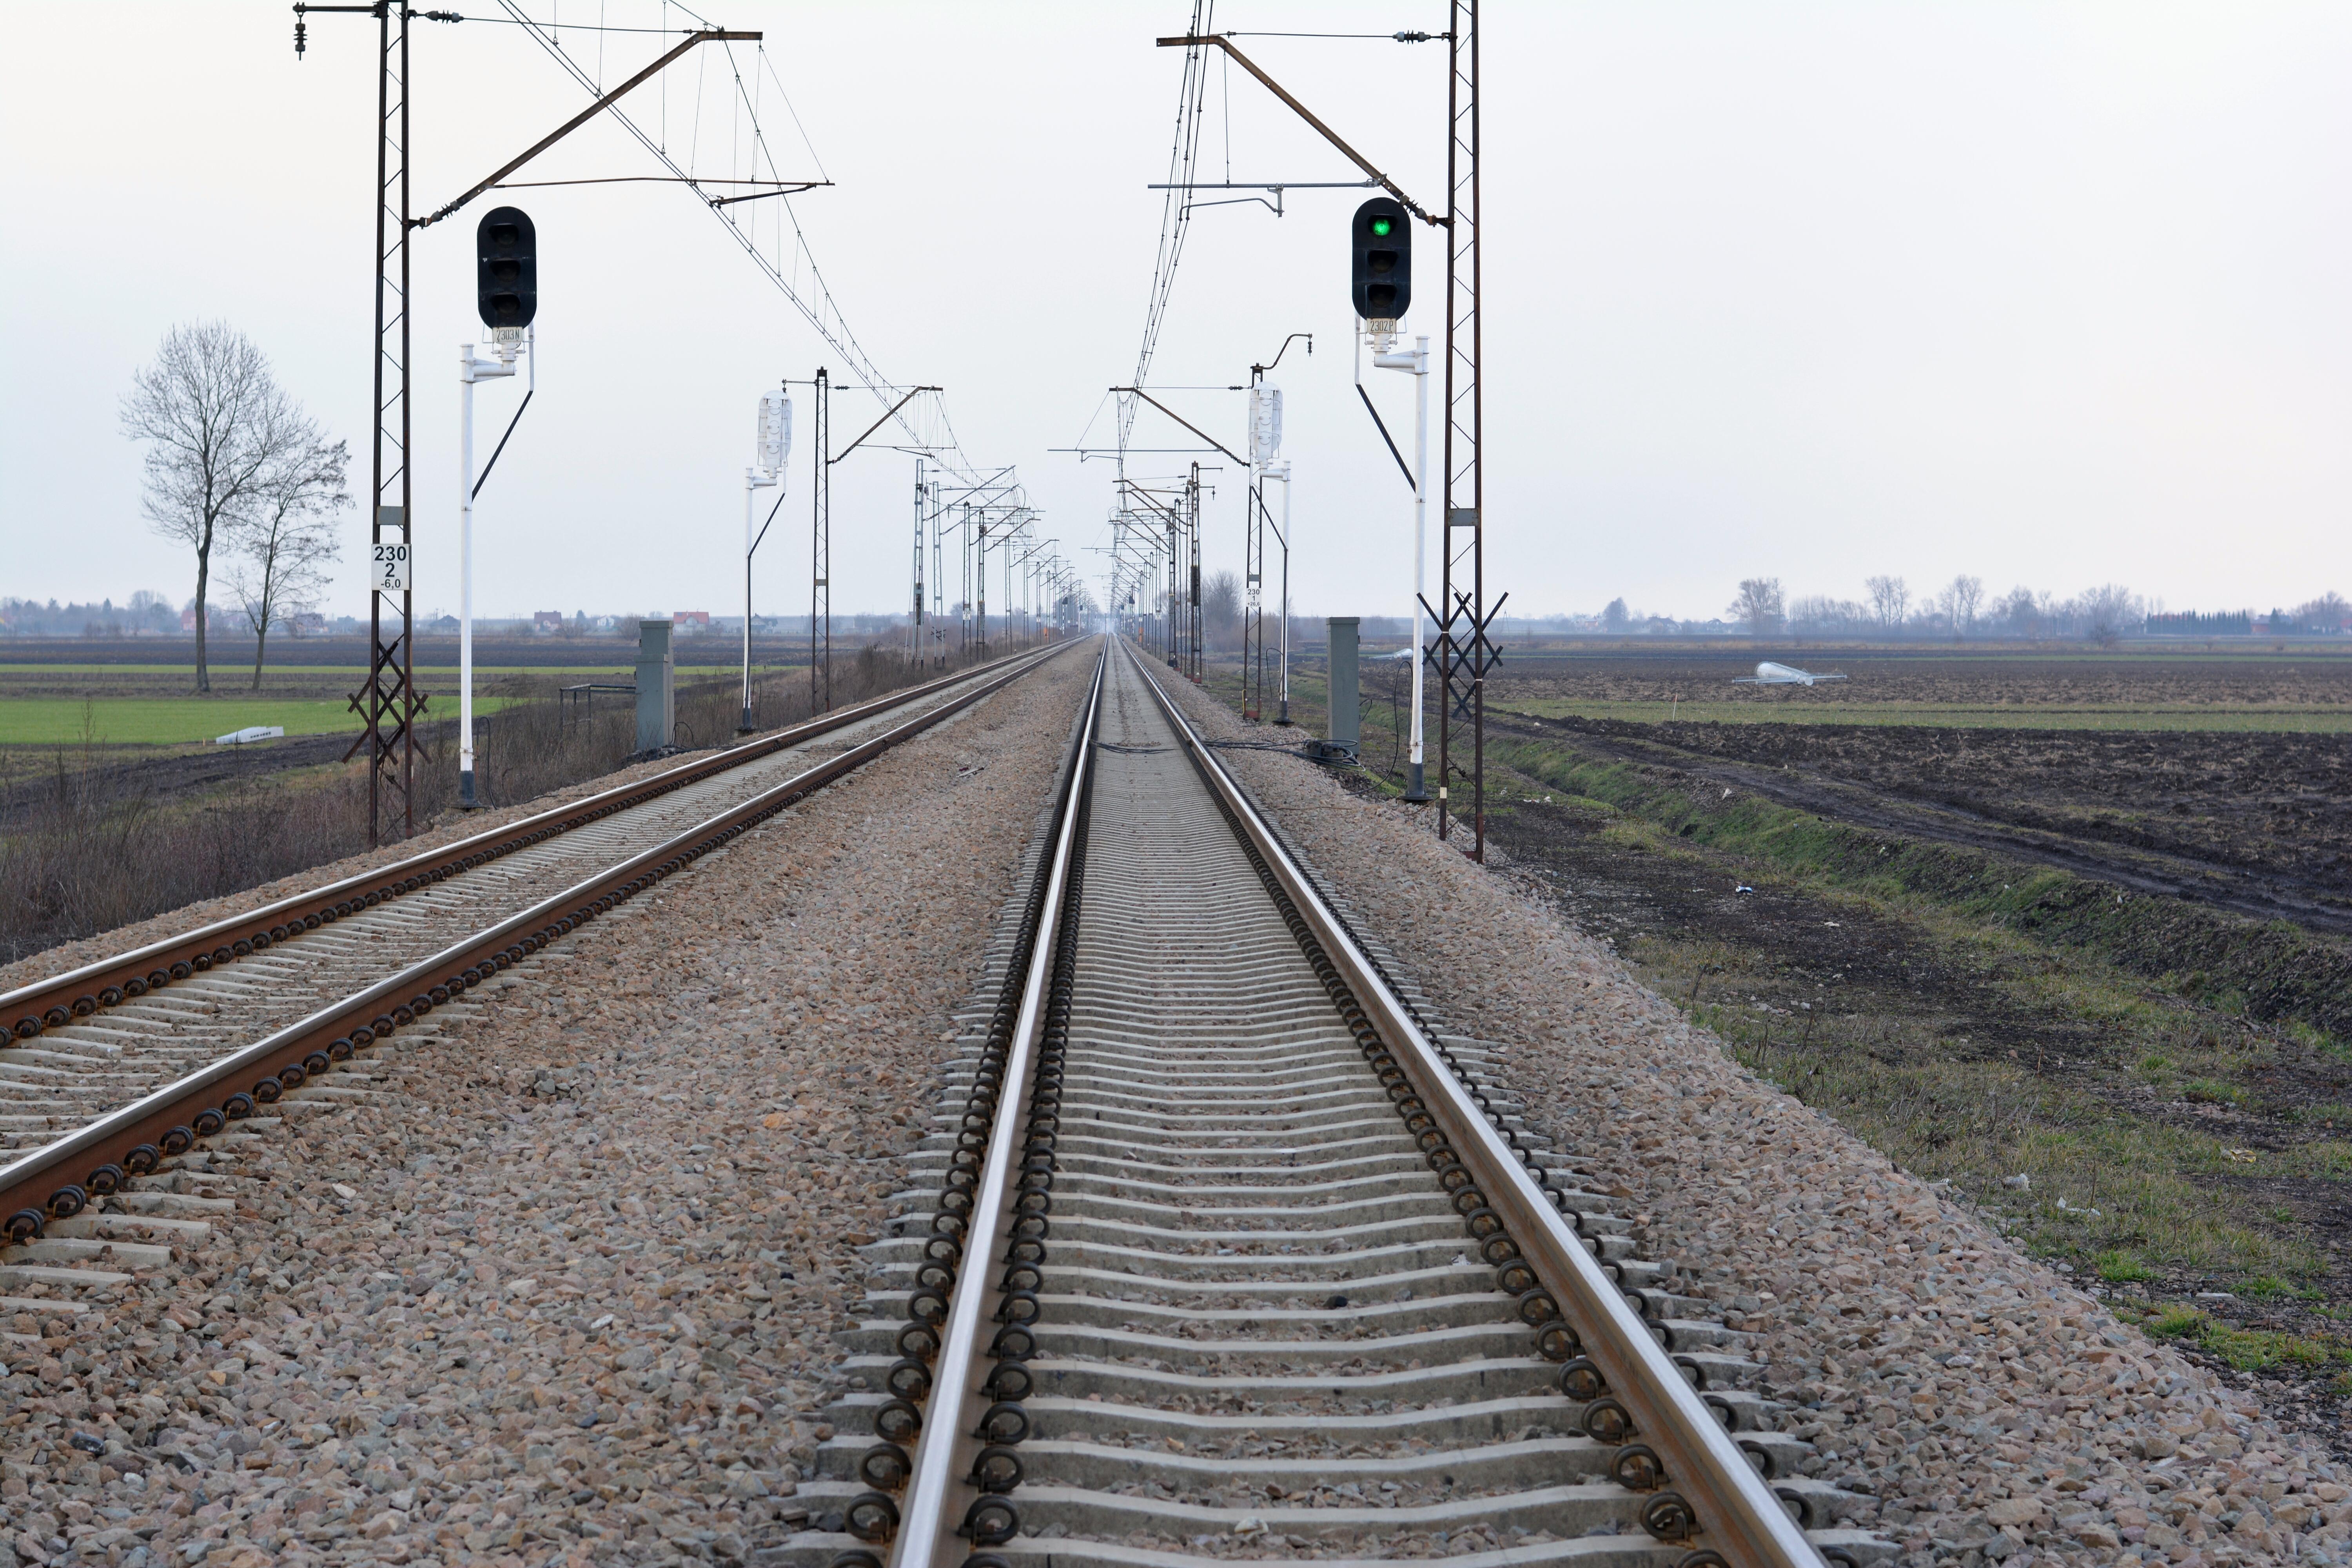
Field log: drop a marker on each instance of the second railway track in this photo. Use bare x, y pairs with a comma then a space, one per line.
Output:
110, 1071
1221, 1255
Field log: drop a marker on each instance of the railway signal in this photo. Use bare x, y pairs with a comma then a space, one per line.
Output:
1379, 258
506, 286
506, 267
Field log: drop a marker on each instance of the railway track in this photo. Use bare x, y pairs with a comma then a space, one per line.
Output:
120, 1082
1220, 1252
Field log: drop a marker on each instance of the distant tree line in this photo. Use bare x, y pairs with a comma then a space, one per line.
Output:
146, 615
1962, 608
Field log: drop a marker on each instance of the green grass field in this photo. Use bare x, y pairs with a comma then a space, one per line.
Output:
1796, 710
174, 720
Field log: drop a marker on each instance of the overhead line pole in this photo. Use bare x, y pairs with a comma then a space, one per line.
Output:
389, 698
820, 553
1465, 656
1464, 652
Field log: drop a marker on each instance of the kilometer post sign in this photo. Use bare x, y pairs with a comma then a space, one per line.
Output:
391, 567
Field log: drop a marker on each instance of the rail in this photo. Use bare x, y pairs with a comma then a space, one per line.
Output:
939, 1489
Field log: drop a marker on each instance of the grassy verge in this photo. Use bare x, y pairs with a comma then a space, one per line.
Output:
2004, 1039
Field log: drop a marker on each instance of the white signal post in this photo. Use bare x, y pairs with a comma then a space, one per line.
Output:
775, 448
1417, 362
510, 342
1281, 470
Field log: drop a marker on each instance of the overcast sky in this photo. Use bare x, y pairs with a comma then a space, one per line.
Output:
2048, 293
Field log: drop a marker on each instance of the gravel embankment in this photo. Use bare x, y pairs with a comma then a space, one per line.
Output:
1998, 1412
567, 1290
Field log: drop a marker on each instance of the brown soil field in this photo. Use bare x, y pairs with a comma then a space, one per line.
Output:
2258, 821
2022, 678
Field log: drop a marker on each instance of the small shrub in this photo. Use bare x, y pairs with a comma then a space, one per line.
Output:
2123, 1268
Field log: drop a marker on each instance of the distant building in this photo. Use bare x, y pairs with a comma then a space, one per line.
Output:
699, 618
309, 623
546, 623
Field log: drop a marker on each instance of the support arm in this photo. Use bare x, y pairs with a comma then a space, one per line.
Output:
1309, 115
709, 36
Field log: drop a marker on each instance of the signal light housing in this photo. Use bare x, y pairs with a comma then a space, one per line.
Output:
506, 267
1379, 255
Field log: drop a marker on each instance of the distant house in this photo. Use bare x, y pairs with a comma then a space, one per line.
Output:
309, 623
546, 623
692, 618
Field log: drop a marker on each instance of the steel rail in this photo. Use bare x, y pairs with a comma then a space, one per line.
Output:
57, 1001
60, 1178
1737, 1512
939, 1485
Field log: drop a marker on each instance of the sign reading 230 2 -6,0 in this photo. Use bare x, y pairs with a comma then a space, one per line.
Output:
390, 567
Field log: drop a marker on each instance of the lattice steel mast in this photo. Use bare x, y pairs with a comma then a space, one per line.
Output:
1464, 654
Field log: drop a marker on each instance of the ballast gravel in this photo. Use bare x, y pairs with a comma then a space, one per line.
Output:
554, 1276
1997, 1412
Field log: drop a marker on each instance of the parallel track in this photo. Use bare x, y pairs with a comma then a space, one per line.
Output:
1222, 1255
131, 1075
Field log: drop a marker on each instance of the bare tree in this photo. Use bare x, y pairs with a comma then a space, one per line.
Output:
2327, 612
2108, 611
1889, 600
2022, 611
215, 423
283, 535
1759, 603
1616, 618
1221, 610
1959, 602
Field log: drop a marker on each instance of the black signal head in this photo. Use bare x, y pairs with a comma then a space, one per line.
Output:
506, 267
1379, 258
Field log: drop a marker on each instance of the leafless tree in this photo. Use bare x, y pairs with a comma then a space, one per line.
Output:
1889, 600
216, 424
1221, 610
283, 535
1759, 603
2022, 611
1959, 602
1819, 615
2327, 612
2108, 611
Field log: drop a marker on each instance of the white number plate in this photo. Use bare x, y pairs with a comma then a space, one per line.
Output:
390, 567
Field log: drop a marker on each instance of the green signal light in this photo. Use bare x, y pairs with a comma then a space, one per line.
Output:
1381, 226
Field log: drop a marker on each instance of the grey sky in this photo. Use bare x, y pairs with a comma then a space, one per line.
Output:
2048, 293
